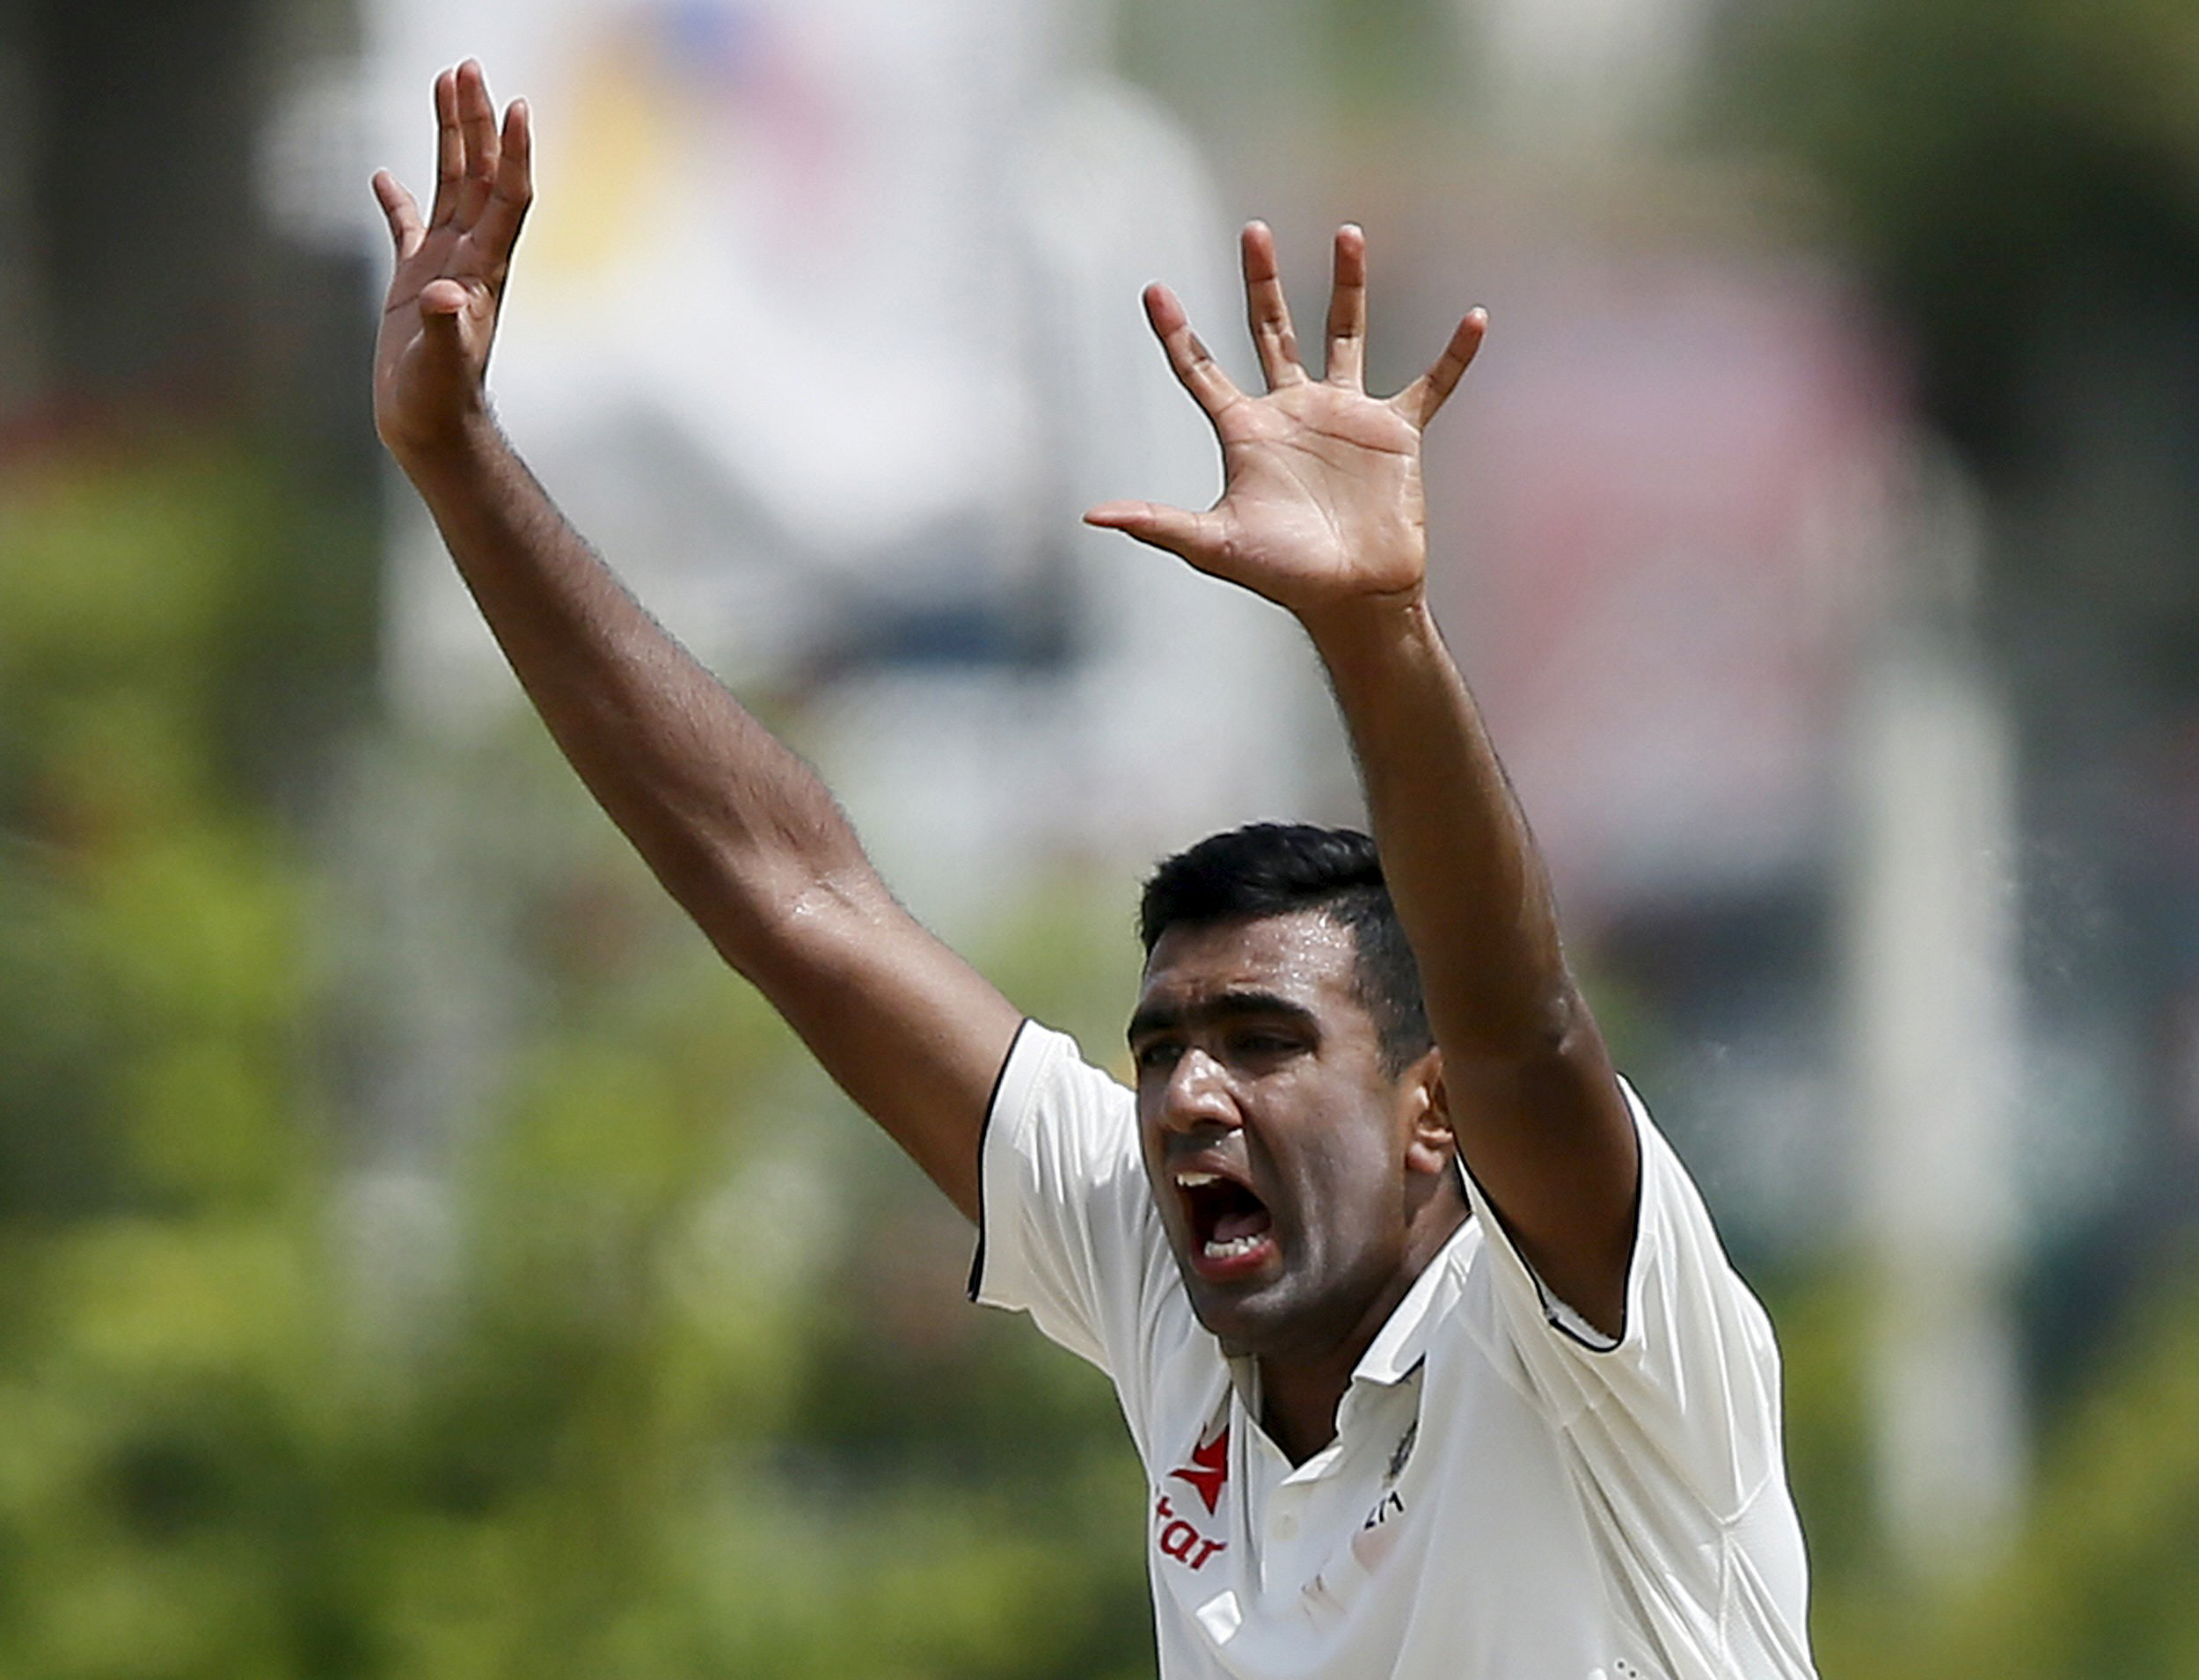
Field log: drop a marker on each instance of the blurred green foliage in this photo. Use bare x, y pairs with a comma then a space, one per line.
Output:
2096, 1583
695, 1393
2018, 181
2006, 170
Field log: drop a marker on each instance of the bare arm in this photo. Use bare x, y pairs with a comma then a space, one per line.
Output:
737, 828
1322, 512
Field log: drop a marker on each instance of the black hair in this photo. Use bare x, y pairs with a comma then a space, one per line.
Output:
1275, 868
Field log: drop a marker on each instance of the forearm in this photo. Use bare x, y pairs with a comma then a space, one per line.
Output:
1531, 1096
735, 826
738, 828
1469, 885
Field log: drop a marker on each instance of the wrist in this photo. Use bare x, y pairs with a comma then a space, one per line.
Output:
454, 443
1370, 629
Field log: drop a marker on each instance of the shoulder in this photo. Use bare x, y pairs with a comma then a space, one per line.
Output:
1058, 1125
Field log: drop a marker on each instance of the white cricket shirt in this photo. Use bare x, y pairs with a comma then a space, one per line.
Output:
1504, 1499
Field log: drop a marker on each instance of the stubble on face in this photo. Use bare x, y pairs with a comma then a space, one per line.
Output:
1275, 1135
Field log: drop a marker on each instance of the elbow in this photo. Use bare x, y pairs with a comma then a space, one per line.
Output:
1549, 1028
1565, 1029
1558, 1036
765, 923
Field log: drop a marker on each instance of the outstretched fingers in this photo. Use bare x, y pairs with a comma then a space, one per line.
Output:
484, 177
1419, 401
1269, 315
450, 151
401, 211
477, 121
1347, 362
512, 190
1196, 367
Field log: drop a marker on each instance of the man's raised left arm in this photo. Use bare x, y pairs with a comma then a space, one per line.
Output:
1322, 512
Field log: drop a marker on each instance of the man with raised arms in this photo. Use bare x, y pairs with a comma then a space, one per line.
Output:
1433, 1358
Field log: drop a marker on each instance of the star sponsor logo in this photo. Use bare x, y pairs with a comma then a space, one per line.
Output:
1208, 1469
1207, 1473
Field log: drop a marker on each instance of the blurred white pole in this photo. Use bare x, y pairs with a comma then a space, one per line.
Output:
1932, 980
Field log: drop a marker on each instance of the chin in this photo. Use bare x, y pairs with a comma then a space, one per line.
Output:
1253, 1321
1283, 1313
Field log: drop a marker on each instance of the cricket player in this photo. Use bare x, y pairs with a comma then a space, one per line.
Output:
1423, 1334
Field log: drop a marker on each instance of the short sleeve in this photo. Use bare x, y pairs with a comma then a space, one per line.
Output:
1067, 1230
1689, 1394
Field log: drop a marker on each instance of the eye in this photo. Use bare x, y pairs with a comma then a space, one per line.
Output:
1155, 1055
1263, 1044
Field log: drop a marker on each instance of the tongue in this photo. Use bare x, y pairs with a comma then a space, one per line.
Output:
1247, 1221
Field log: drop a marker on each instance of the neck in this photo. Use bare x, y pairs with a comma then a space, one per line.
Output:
1298, 1406
1300, 1394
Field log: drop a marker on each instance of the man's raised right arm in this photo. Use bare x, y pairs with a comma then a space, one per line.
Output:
734, 825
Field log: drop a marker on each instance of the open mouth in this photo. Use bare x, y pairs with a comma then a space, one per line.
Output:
1232, 1231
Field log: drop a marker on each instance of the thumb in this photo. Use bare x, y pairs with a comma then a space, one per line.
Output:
1177, 529
442, 314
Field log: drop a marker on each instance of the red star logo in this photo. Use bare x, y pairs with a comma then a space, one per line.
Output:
1208, 1469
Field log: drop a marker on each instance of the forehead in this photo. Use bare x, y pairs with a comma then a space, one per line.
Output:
1303, 956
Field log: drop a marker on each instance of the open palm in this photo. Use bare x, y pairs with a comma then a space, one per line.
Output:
439, 317
1321, 500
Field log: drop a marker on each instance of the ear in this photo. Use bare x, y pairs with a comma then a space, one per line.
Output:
1429, 1146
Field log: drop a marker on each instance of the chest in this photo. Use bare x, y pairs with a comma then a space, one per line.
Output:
1420, 1541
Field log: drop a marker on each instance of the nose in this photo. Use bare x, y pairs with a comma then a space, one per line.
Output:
1198, 1093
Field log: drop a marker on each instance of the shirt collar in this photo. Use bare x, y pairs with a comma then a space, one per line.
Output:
1401, 1344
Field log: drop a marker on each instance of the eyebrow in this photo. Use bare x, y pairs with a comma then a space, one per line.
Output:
1165, 1018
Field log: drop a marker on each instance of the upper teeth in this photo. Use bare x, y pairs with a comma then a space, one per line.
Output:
1196, 1180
